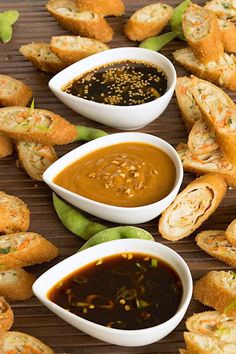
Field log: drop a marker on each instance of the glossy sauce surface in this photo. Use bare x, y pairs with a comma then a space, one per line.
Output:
125, 174
125, 291
124, 83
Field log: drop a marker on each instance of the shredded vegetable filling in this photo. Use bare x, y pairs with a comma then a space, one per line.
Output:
125, 291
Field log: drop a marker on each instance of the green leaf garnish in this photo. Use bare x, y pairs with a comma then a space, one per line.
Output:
176, 19
230, 121
31, 107
5, 250
233, 274
156, 43
11, 16
41, 127
154, 262
230, 307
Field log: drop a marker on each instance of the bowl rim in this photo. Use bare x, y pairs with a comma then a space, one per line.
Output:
187, 284
54, 87
178, 168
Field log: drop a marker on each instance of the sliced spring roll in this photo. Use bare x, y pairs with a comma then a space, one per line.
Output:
15, 216
190, 112
217, 289
37, 125
35, 158
192, 207
202, 33
214, 162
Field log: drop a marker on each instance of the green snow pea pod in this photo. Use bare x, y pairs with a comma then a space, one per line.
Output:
117, 233
87, 134
74, 221
176, 19
5, 30
156, 43
11, 16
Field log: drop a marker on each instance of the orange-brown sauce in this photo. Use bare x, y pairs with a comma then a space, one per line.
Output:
125, 174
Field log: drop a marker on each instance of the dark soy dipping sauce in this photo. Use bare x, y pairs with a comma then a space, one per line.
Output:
124, 83
128, 291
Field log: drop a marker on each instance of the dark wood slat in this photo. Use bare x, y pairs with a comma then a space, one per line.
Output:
36, 24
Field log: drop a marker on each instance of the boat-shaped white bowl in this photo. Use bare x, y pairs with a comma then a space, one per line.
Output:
123, 215
116, 336
120, 117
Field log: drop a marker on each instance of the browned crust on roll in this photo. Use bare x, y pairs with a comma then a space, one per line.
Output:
13, 92
215, 243
40, 126
102, 7
41, 56
202, 344
211, 184
90, 25
138, 30
6, 146
6, 315
225, 135
221, 72
15, 216
63, 48
201, 165
228, 35
209, 47
214, 293
25, 249
16, 284
35, 158
230, 233
189, 114
12, 340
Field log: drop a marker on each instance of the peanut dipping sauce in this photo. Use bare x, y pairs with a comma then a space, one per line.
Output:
125, 174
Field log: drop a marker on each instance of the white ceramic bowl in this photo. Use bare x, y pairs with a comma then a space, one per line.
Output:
120, 117
123, 215
116, 336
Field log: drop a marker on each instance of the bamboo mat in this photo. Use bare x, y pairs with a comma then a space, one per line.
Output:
35, 24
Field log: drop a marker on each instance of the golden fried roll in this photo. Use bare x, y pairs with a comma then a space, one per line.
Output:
192, 207
14, 342
201, 139
15, 216
190, 113
84, 23
13, 92
228, 35
223, 9
214, 162
148, 21
217, 289
6, 146
73, 48
230, 233
220, 113
221, 72
6, 315
42, 57
215, 243
37, 125
202, 344
201, 30
35, 158
183, 351
215, 324
102, 7
24, 249
16, 284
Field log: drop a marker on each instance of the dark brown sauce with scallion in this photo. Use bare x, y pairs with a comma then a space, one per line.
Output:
128, 291
124, 83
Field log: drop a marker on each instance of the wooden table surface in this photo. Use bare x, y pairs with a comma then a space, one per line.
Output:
36, 24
